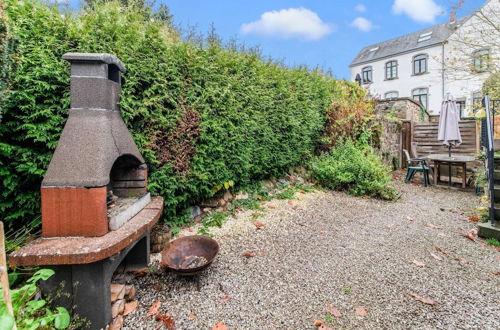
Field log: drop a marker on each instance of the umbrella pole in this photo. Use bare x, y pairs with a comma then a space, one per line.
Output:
449, 165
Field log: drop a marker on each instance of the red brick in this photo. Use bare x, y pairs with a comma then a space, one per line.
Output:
74, 212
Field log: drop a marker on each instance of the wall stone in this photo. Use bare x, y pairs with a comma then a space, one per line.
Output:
401, 108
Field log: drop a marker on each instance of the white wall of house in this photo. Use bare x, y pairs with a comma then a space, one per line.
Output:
461, 80
406, 81
450, 64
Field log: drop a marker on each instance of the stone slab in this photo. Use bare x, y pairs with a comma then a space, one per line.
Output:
84, 250
486, 230
120, 219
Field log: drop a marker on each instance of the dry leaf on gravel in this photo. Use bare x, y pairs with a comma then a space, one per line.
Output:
295, 207
495, 273
361, 311
474, 218
153, 310
130, 307
436, 257
335, 312
438, 249
192, 316
472, 235
425, 300
141, 272
220, 326
258, 224
167, 320
318, 323
462, 260
418, 263
158, 287
224, 299
248, 254
430, 225
271, 207
410, 218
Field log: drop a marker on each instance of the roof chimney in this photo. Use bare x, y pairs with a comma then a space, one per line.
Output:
453, 17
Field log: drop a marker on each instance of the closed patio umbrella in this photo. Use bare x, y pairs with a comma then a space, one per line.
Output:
449, 131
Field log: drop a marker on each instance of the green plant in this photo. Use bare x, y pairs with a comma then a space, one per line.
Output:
329, 318
288, 193
493, 241
346, 289
30, 313
355, 169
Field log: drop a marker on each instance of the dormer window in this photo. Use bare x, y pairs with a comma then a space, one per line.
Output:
425, 36
391, 70
420, 64
481, 59
367, 74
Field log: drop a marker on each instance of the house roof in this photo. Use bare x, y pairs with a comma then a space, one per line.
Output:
434, 35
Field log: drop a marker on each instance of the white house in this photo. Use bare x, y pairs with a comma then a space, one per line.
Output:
454, 57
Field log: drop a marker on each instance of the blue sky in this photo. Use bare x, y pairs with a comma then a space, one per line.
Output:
324, 33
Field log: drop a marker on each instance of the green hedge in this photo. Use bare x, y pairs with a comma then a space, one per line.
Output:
203, 116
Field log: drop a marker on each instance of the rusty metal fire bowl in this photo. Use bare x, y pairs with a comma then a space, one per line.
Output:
189, 255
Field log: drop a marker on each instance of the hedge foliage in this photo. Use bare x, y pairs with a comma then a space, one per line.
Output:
204, 116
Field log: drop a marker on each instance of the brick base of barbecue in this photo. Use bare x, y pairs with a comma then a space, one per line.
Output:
84, 266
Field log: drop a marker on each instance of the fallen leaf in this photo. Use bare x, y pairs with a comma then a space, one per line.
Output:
474, 218
224, 299
271, 207
220, 326
462, 260
153, 310
425, 300
302, 192
167, 320
495, 273
441, 250
295, 207
141, 272
192, 316
410, 218
361, 311
248, 254
418, 263
335, 312
258, 224
430, 225
325, 327
470, 235
158, 287
130, 307
318, 323
436, 257
290, 202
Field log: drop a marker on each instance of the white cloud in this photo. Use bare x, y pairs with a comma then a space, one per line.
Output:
422, 11
361, 8
362, 24
299, 23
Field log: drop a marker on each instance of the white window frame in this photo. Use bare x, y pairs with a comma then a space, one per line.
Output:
391, 92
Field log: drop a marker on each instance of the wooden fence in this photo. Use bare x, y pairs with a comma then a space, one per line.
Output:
425, 136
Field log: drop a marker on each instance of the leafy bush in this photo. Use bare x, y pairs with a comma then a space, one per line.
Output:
202, 115
355, 169
30, 313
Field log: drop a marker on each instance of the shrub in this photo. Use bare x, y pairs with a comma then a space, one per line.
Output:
203, 116
355, 169
30, 313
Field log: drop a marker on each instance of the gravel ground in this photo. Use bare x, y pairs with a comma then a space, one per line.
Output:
329, 248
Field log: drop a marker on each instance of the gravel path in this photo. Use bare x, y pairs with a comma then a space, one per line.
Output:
329, 248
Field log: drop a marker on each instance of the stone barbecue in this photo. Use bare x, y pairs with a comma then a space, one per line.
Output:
96, 211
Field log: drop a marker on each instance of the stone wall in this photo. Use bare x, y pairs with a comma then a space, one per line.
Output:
401, 108
387, 140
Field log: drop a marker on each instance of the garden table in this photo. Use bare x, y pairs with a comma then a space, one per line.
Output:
454, 160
